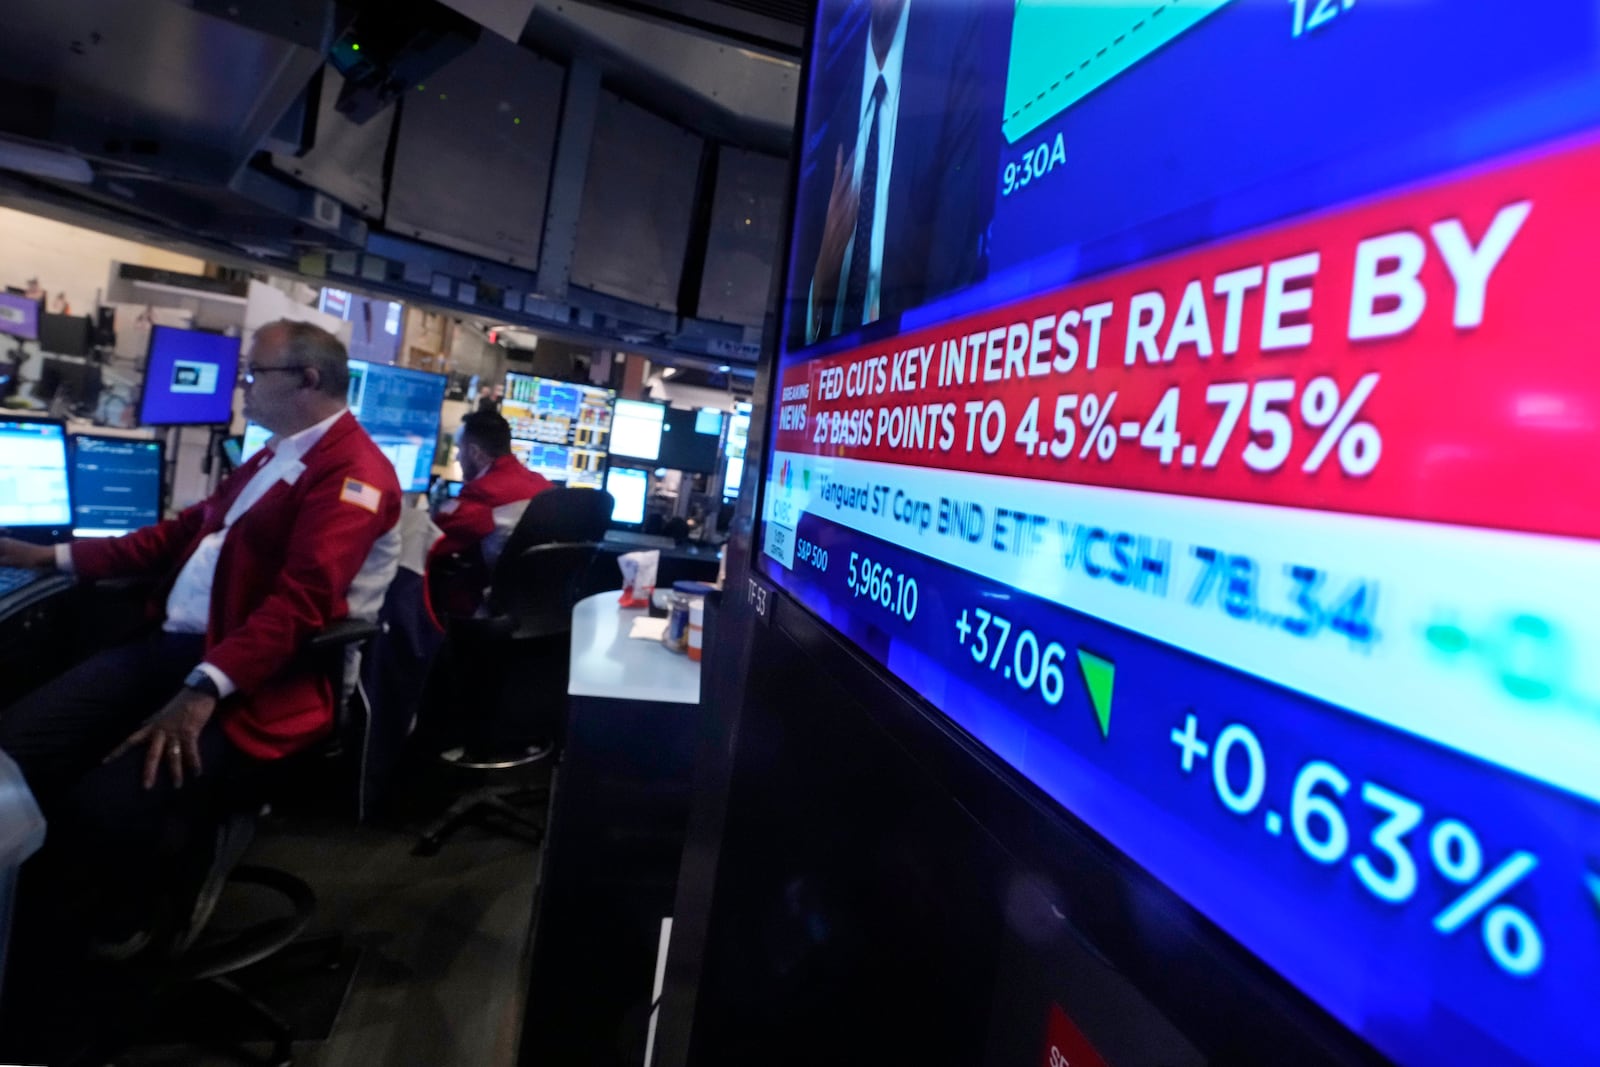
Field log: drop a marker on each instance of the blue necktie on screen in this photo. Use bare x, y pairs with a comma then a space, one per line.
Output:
855, 292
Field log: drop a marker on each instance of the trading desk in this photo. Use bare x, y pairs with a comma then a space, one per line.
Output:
618, 812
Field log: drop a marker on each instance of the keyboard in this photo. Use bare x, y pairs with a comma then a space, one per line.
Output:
14, 578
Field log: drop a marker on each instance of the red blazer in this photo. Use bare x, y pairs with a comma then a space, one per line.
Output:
485, 506
282, 575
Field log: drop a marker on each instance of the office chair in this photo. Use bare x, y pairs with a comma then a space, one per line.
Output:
193, 958
512, 661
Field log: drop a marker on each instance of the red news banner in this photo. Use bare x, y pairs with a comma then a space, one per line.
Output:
1432, 355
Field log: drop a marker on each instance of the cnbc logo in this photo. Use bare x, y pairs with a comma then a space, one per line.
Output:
786, 477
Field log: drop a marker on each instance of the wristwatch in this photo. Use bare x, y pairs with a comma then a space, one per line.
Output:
200, 681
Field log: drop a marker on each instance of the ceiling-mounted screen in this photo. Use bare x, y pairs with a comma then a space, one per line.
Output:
1196, 404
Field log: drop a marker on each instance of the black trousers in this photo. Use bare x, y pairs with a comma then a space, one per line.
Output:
104, 828
117, 857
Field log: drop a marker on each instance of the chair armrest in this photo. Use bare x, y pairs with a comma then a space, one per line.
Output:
343, 633
492, 628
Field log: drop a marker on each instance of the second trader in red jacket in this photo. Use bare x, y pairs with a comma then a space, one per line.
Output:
477, 524
131, 752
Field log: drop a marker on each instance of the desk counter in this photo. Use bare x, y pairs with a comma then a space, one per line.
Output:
607, 663
619, 810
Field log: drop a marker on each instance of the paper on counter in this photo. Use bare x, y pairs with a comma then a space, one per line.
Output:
646, 628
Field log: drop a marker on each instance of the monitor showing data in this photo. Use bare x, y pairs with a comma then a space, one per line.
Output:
636, 429
1197, 404
34, 486
399, 408
116, 485
189, 378
630, 487
559, 429
738, 441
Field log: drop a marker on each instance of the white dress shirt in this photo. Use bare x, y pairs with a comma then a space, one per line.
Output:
888, 121
189, 603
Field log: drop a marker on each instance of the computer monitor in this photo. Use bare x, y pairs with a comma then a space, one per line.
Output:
690, 440
738, 441
400, 410
399, 407
72, 381
255, 439
189, 378
563, 428
630, 487
636, 429
66, 335
116, 485
1127, 474
35, 489
19, 316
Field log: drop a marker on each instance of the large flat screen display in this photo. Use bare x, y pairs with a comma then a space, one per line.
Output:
189, 378
559, 429
1197, 404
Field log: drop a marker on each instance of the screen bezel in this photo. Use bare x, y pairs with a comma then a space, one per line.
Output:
144, 387
72, 467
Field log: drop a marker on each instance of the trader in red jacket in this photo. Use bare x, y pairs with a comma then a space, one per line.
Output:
477, 524
130, 750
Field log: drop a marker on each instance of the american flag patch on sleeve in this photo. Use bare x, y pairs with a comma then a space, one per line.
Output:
362, 495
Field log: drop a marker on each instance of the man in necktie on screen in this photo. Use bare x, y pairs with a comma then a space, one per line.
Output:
133, 751
897, 180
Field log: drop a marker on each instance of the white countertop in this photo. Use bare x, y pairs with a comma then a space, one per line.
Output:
606, 662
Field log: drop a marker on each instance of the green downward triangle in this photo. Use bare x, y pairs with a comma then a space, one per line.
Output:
1099, 675
1594, 887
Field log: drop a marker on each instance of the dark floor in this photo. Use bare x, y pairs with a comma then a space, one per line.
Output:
442, 945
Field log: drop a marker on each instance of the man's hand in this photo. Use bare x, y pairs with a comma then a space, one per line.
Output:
173, 737
14, 553
844, 202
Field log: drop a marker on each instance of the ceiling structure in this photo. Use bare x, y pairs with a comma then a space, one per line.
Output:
604, 172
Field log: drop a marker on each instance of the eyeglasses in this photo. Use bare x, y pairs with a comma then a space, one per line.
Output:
250, 375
